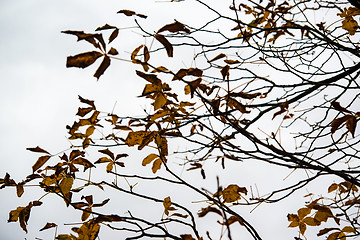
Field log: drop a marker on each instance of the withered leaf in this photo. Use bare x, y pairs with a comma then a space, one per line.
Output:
108, 152
174, 28
332, 187
225, 72
146, 54
351, 124
105, 27
168, 47
186, 237
193, 85
149, 159
152, 78
102, 203
167, 204
156, 165
228, 61
103, 66
338, 107
206, 210
103, 160
131, 13
83, 60
114, 35
135, 138
326, 230
48, 225
160, 101
86, 36
20, 189
221, 55
40, 162
335, 124
245, 95
184, 72
83, 111
284, 106
37, 149
151, 88
66, 184
113, 51
87, 101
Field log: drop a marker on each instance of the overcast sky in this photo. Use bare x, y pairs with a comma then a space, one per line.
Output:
39, 96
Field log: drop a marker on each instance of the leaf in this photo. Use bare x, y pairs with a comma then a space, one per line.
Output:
83, 111
135, 53
174, 28
351, 124
332, 187
185, 72
84, 162
102, 203
156, 165
231, 193
149, 159
302, 228
338, 107
114, 35
225, 72
135, 138
83, 60
206, 210
40, 162
160, 101
109, 167
113, 51
146, 54
131, 13
87, 37
326, 230
105, 27
108, 152
228, 61
193, 85
221, 55
187, 237
165, 43
348, 229
245, 95
294, 219
38, 149
151, 88
20, 189
66, 184
167, 204
302, 212
87, 101
284, 106
311, 221
333, 236
350, 24
103, 66
86, 214
89, 131
335, 124
47, 226
66, 237
152, 78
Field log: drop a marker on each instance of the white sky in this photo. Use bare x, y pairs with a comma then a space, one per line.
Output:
39, 96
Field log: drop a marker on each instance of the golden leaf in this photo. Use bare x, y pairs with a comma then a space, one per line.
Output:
348, 229
151, 88
156, 165
160, 101
167, 204
351, 124
66, 184
40, 162
109, 167
47, 226
311, 221
206, 210
135, 138
332, 187
83, 60
302, 212
302, 227
350, 25
149, 159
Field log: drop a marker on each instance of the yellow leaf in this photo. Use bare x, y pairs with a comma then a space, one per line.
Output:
333, 236
160, 101
162, 145
149, 159
156, 165
89, 131
86, 214
40, 162
231, 193
302, 228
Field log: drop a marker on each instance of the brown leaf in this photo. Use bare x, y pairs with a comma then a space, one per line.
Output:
151, 88
20, 189
228, 61
311, 221
221, 55
83, 111
103, 160
187, 237
160, 101
335, 124
245, 95
102, 203
103, 66
135, 138
146, 54
225, 72
40, 162
174, 28
83, 60
302, 212
37, 149
48, 225
113, 51
165, 43
152, 78
193, 85
105, 27
284, 106
87, 37
206, 210
184, 72
338, 107
351, 124
131, 13
326, 230
87, 101
108, 152
114, 35
86, 214
332, 187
